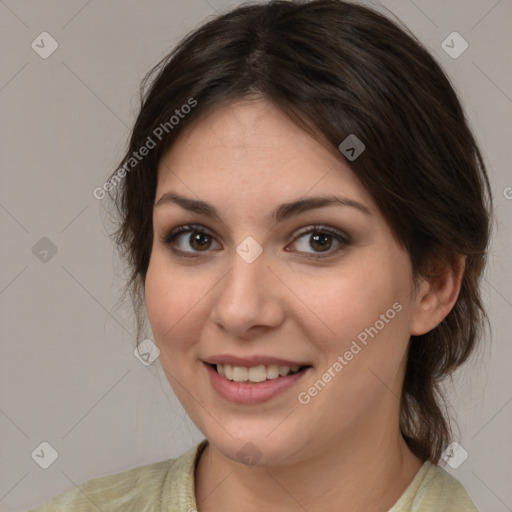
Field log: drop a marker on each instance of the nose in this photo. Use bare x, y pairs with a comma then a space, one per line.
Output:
249, 299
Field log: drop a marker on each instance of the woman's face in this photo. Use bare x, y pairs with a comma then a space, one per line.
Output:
267, 286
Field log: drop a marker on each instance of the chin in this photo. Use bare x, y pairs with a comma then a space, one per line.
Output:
258, 450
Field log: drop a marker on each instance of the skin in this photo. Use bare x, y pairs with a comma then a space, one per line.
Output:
343, 450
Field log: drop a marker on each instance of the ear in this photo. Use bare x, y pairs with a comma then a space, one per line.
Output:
436, 295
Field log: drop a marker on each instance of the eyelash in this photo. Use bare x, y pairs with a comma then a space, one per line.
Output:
342, 239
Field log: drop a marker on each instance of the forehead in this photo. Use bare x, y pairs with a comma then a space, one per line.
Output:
250, 151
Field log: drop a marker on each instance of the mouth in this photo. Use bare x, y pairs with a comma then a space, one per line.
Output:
255, 374
253, 384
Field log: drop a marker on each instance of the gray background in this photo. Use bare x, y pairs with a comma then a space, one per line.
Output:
68, 375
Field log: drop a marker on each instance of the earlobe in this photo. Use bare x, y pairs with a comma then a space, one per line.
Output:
436, 295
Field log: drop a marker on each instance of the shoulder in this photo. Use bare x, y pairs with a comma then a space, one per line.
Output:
433, 489
140, 489
143, 483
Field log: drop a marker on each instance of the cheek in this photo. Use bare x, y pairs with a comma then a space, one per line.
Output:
351, 300
369, 303
172, 305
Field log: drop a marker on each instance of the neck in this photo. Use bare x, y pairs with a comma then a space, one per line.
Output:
356, 476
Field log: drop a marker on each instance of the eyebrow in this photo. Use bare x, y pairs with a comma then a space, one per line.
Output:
282, 212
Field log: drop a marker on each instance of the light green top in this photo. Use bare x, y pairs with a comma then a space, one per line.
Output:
168, 486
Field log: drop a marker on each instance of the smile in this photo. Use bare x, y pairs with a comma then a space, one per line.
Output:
255, 373
255, 384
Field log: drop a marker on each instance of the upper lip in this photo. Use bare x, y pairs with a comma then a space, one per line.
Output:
252, 361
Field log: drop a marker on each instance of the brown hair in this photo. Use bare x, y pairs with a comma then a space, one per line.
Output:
336, 69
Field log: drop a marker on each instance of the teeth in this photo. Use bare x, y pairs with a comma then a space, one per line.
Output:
272, 371
240, 374
284, 370
255, 373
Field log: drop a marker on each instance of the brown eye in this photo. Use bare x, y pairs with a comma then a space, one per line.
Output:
198, 239
321, 239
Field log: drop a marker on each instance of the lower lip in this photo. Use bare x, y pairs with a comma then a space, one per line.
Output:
252, 392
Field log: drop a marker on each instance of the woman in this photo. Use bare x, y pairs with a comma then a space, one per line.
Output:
306, 216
